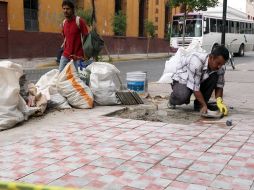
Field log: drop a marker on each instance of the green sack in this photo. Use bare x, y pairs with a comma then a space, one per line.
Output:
93, 44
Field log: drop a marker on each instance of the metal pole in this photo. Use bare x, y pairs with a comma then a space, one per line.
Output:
224, 17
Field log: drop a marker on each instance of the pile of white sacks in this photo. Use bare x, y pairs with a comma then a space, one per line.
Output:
59, 90
174, 62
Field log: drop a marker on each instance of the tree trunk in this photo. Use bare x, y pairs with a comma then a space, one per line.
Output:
148, 46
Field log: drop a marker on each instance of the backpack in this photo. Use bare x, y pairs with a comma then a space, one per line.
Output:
93, 43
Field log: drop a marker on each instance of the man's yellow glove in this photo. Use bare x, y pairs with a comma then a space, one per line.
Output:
222, 107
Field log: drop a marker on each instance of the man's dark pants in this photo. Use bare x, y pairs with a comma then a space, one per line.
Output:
181, 93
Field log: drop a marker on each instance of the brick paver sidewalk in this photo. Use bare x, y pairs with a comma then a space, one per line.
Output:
113, 153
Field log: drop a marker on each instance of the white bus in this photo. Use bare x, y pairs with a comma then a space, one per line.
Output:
206, 27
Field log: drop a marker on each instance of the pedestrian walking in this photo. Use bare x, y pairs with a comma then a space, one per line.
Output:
74, 28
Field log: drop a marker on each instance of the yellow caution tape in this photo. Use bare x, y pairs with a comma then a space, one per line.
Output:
24, 186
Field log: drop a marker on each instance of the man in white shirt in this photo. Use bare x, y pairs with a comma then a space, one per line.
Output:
200, 74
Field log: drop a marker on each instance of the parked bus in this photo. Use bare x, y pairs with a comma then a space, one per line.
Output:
206, 27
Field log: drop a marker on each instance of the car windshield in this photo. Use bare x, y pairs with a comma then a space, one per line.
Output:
193, 28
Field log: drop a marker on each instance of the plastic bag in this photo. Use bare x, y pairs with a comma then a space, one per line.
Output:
70, 86
13, 108
102, 83
93, 44
174, 61
47, 86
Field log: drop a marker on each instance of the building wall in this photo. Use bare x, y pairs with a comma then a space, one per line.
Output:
104, 12
236, 4
50, 16
250, 9
246, 6
15, 13
47, 40
132, 18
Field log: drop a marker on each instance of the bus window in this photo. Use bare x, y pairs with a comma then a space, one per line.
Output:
248, 28
193, 28
231, 27
237, 27
252, 28
227, 26
219, 25
213, 25
177, 29
241, 27
206, 26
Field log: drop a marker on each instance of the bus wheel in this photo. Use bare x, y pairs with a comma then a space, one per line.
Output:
241, 51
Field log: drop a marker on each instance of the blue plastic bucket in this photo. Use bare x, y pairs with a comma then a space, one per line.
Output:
137, 81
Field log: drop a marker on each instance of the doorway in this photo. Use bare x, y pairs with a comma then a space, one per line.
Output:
3, 31
143, 15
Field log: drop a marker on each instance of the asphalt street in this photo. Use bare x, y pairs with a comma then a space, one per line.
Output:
155, 67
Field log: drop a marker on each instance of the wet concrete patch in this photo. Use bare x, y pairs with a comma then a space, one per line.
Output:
157, 110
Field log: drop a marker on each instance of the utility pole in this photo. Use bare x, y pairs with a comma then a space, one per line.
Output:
224, 17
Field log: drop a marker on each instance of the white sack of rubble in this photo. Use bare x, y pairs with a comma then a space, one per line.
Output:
175, 61
70, 86
13, 108
102, 83
47, 85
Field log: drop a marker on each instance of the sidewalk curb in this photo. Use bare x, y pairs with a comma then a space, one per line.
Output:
140, 58
105, 59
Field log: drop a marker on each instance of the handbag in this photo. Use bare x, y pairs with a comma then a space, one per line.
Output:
93, 44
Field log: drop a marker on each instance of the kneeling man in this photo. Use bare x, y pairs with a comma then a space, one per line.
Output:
200, 74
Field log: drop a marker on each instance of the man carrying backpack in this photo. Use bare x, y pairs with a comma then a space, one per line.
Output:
73, 29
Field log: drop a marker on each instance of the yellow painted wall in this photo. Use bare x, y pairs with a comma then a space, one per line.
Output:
15, 12
160, 14
132, 18
50, 15
104, 12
